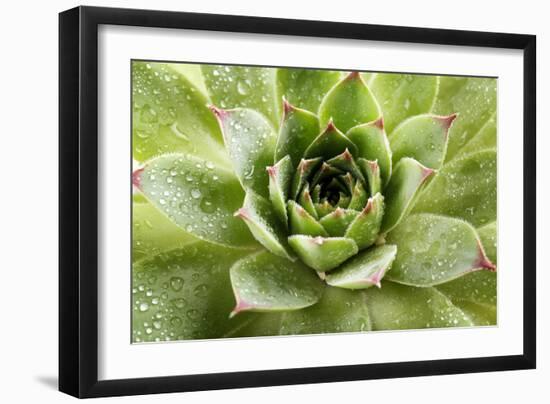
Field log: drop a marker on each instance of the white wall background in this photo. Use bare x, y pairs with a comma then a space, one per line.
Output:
28, 178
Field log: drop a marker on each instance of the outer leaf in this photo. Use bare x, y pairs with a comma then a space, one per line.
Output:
298, 129
197, 195
349, 103
169, 114
465, 188
183, 294
365, 269
301, 222
305, 87
409, 175
250, 141
264, 282
364, 230
329, 143
435, 249
280, 177
486, 138
373, 145
261, 219
243, 87
400, 307
422, 137
338, 310
473, 98
323, 254
153, 232
338, 221
488, 236
403, 95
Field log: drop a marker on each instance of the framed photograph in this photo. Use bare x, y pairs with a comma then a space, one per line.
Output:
251, 201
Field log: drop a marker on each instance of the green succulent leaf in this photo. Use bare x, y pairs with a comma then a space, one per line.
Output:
305, 87
264, 282
364, 270
324, 208
280, 177
331, 142
339, 310
486, 138
435, 249
323, 254
372, 144
301, 222
153, 232
364, 230
184, 294
338, 221
348, 104
464, 188
400, 307
403, 95
359, 197
305, 200
197, 195
303, 172
169, 114
474, 99
298, 130
406, 180
250, 141
488, 236
345, 162
422, 137
243, 87
371, 171
262, 221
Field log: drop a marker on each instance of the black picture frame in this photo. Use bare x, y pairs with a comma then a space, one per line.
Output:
78, 196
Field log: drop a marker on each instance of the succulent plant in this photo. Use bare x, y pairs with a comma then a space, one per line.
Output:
294, 201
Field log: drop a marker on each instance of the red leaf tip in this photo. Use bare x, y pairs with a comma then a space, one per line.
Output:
483, 261
242, 213
241, 306
318, 240
287, 107
426, 172
378, 123
218, 112
330, 126
346, 155
353, 75
136, 177
446, 121
271, 171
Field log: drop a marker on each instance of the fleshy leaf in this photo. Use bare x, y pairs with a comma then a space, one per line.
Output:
371, 171
338, 221
305, 200
243, 87
298, 129
301, 222
407, 178
197, 195
359, 197
488, 236
403, 95
365, 269
339, 310
435, 249
323, 208
474, 99
349, 103
329, 143
323, 254
154, 233
304, 170
280, 177
184, 294
372, 144
345, 162
422, 137
464, 188
400, 307
261, 219
170, 115
264, 282
365, 228
250, 141
325, 171
305, 87
486, 138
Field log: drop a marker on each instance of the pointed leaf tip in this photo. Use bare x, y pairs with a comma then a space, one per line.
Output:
330, 125
379, 123
446, 121
136, 177
287, 107
354, 75
218, 112
484, 261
